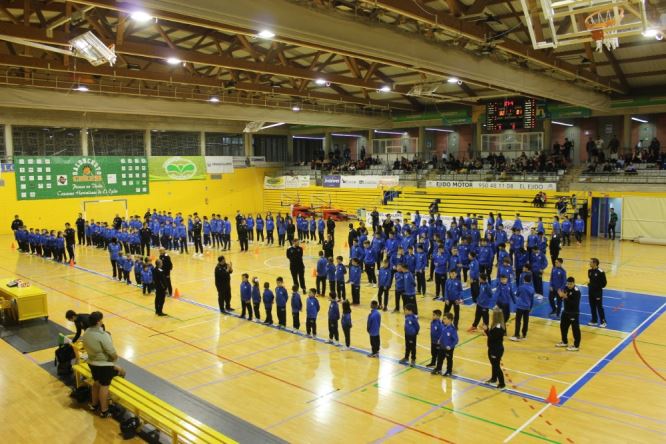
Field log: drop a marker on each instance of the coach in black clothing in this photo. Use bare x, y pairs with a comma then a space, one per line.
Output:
160, 284
595, 287
330, 227
223, 272
243, 236
16, 223
80, 321
145, 235
570, 315
167, 266
80, 229
296, 266
70, 241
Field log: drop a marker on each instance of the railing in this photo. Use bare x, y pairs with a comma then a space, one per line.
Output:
486, 175
643, 176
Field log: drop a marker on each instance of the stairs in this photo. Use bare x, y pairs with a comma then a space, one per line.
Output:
571, 175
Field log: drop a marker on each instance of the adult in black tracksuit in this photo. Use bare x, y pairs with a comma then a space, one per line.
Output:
375, 220
595, 287
196, 235
330, 227
223, 272
496, 332
554, 247
145, 235
117, 222
296, 266
291, 230
239, 220
570, 315
80, 229
160, 285
242, 236
167, 267
70, 241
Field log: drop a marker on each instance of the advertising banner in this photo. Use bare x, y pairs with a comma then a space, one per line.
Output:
332, 181
219, 164
368, 181
274, 183
80, 176
178, 168
480, 185
282, 182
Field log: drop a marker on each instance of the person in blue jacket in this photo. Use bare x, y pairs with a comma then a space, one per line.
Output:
532, 239
538, 263
246, 296
330, 275
453, 296
440, 261
484, 302
249, 224
579, 228
256, 298
474, 273
281, 298
518, 224
340, 272
504, 296
399, 278
385, 281
313, 229
321, 227
181, 235
566, 231
296, 306
333, 318
409, 294
419, 269
259, 227
435, 331
373, 326
448, 340
270, 229
268, 298
311, 312
522, 258
114, 250
412, 328
355, 281
558, 280
321, 268
127, 264
369, 261
524, 304
147, 279
346, 324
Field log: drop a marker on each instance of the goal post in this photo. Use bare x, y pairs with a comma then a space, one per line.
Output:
104, 209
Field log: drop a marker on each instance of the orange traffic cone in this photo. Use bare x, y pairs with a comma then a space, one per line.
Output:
13, 247
71, 262
552, 396
346, 245
176, 294
152, 259
256, 251
314, 272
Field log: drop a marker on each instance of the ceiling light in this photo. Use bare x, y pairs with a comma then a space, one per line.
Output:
320, 82
266, 34
141, 16
308, 138
271, 126
555, 122
385, 89
173, 61
345, 135
389, 132
441, 130
295, 108
636, 119
651, 32
92, 49
214, 99
453, 80
82, 88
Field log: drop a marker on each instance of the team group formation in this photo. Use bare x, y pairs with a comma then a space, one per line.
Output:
502, 269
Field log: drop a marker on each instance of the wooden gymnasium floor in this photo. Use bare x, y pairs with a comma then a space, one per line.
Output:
304, 390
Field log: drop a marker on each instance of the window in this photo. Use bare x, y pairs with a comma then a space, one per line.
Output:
174, 143
46, 141
306, 150
3, 146
220, 144
112, 142
273, 147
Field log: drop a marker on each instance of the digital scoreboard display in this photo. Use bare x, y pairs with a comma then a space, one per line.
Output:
515, 113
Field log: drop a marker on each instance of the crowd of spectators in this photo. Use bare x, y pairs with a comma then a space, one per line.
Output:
538, 162
609, 161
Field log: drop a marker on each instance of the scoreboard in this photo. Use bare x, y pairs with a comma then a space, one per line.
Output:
515, 113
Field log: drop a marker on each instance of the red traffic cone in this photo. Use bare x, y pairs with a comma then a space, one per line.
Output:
13, 246
71, 262
314, 272
552, 396
176, 294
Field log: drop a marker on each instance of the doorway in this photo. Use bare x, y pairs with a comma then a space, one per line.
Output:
601, 207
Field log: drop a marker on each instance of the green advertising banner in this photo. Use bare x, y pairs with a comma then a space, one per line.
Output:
177, 168
64, 177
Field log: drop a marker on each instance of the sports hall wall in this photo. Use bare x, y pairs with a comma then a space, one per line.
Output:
240, 190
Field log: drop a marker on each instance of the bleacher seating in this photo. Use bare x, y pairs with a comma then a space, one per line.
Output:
645, 173
179, 426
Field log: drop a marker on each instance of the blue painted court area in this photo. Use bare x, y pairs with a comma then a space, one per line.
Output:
624, 310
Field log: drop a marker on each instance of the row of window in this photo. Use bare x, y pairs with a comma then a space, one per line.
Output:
38, 141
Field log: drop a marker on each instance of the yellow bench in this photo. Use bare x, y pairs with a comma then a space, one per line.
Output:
152, 410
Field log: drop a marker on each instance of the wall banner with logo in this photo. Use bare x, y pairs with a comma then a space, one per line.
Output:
177, 168
480, 185
332, 181
369, 181
282, 182
274, 183
75, 176
219, 164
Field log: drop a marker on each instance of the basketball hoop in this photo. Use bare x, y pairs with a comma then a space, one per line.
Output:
602, 25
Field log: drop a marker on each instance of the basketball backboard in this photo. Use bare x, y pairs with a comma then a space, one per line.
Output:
570, 22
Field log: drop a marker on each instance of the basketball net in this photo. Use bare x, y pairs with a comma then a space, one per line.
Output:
601, 25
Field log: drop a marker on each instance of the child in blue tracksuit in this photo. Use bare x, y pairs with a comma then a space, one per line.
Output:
322, 266
259, 228
504, 296
114, 249
419, 267
373, 326
484, 302
435, 332
268, 303
127, 263
333, 318
524, 303
474, 273
453, 296
330, 275
296, 306
256, 298
138, 270
369, 260
246, 296
340, 272
355, 281
147, 279
538, 264
566, 231
579, 228
558, 280
311, 312
399, 278
346, 323
385, 278
409, 294
412, 328
447, 343
281, 298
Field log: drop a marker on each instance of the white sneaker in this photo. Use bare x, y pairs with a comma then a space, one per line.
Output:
602, 325
343, 348
593, 324
572, 348
514, 338
561, 344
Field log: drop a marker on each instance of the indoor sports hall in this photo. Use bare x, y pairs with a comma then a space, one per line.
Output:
333, 221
